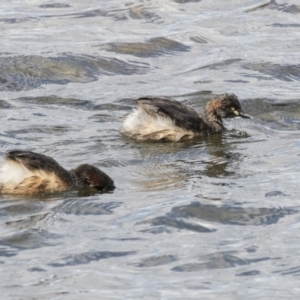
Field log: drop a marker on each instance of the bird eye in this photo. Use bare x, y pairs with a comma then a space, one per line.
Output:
232, 108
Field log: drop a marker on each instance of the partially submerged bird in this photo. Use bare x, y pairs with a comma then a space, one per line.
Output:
30, 173
170, 120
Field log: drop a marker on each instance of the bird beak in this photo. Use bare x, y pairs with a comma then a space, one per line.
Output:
244, 115
241, 114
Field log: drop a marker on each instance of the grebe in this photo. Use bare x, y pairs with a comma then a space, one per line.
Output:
30, 173
163, 118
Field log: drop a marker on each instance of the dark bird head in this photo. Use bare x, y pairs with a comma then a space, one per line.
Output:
87, 175
226, 106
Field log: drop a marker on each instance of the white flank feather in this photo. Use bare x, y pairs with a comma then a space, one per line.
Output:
140, 125
15, 178
12, 173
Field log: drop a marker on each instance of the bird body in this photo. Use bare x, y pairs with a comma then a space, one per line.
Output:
167, 119
29, 173
15, 178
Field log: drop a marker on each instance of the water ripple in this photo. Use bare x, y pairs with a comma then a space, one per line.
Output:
29, 239
170, 221
55, 5
281, 72
153, 47
232, 215
157, 261
218, 261
85, 207
28, 72
280, 115
87, 257
287, 8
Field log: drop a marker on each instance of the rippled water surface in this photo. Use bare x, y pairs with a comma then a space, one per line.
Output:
216, 218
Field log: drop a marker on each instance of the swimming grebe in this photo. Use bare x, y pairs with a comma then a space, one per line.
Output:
167, 119
29, 173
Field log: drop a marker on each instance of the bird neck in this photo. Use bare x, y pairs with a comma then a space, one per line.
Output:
75, 180
214, 121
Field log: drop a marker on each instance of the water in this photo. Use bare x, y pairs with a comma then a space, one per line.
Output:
212, 218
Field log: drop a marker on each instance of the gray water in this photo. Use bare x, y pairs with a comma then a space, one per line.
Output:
216, 218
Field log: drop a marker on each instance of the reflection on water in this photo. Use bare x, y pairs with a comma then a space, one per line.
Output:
170, 165
223, 208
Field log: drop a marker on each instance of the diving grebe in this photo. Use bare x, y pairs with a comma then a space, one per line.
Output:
162, 118
29, 173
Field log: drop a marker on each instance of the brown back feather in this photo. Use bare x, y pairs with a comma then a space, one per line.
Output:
182, 115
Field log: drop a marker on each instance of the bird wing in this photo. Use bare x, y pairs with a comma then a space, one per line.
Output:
38, 162
182, 115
